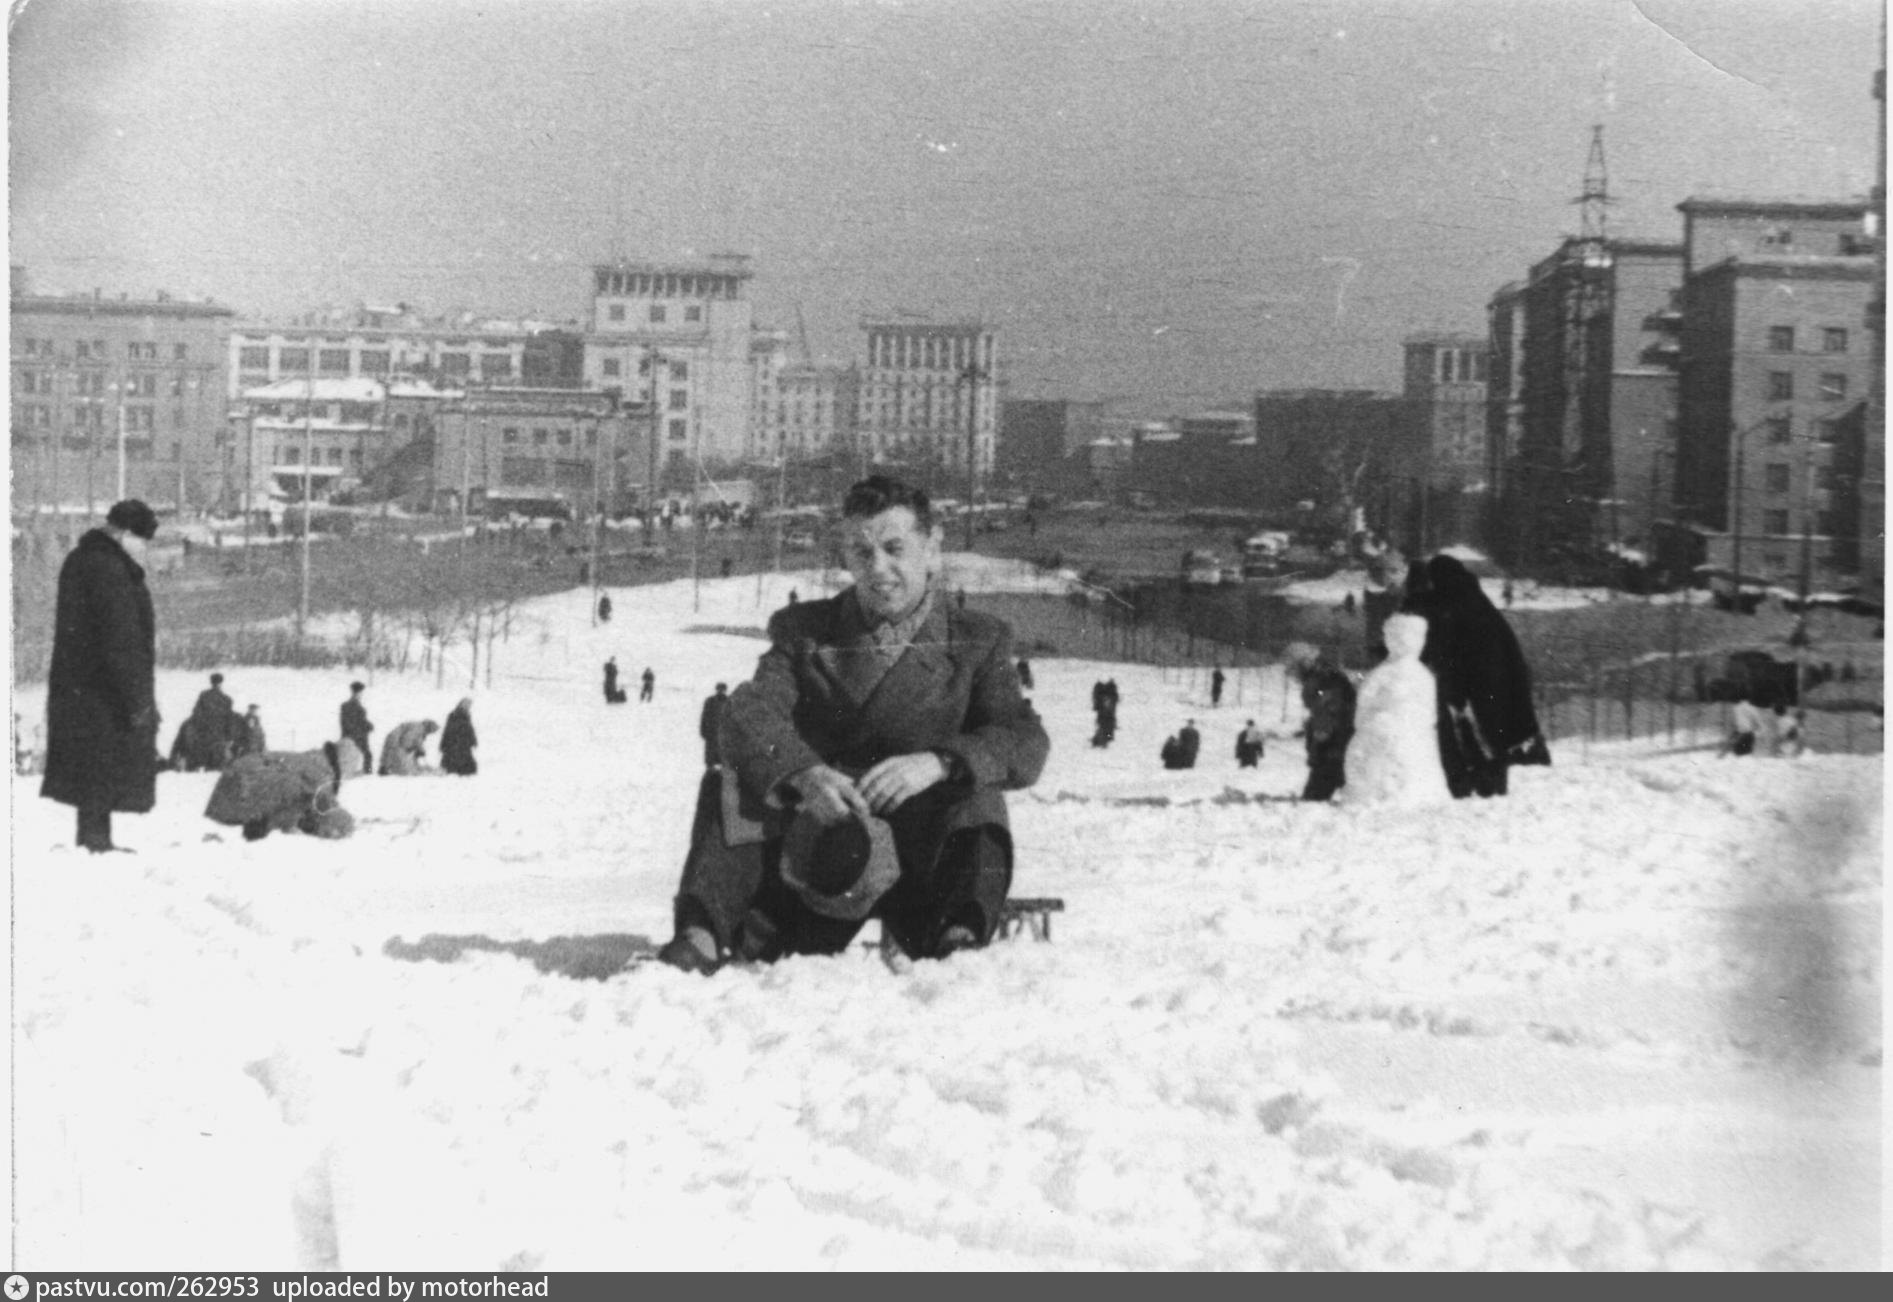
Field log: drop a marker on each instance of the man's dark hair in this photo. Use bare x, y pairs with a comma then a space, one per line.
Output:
877, 493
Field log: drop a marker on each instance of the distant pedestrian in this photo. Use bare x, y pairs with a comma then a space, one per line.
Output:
1347, 604
604, 609
404, 753
649, 681
1172, 752
614, 695
355, 725
253, 741
1248, 746
1216, 686
213, 728
1106, 731
1192, 743
710, 724
458, 740
793, 598
1025, 673
101, 707
1328, 695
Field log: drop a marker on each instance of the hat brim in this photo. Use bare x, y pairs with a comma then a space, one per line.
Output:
882, 870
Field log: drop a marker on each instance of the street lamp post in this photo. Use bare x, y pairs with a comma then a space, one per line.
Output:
972, 373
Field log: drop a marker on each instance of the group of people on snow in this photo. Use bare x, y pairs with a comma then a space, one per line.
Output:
615, 695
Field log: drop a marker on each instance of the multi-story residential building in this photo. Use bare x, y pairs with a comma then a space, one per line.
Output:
1774, 373
813, 411
581, 447
1592, 362
1043, 441
380, 343
675, 338
919, 381
1717, 229
1505, 395
1446, 380
116, 389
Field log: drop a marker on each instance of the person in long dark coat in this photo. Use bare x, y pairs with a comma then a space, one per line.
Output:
650, 684
215, 727
458, 739
612, 695
1190, 742
1487, 722
355, 725
710, 724
101, 708
1329, 696
1216, 686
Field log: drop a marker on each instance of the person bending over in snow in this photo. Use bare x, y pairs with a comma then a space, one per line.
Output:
404, 754
283, 791
863, 765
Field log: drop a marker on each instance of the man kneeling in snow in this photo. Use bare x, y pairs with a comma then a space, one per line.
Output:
282, 791
862, 765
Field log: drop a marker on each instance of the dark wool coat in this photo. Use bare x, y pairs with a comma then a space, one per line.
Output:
814, 700
457, 741
355, 723
278, 789
1486, 718
101, 718
710, 726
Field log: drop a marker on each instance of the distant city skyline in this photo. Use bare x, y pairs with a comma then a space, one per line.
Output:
1164, 205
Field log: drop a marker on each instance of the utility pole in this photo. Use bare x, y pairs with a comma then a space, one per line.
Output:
121, 439
652, 360
598, 510
972, 373
308, 488
1735, 515
249, 478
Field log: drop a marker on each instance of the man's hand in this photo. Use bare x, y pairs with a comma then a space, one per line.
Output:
893, 782
828, 794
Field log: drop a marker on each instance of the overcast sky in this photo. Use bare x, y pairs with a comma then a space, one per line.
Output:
1170, 204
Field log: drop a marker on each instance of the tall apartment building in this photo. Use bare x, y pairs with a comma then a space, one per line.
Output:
98, 381
1594, 399
677, 338
918, 383
1505, 396
1775, 371
1445, 379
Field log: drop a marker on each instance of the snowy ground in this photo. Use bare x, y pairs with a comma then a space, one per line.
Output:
1629, 1017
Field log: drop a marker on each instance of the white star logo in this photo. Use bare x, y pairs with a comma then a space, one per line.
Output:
17, 1287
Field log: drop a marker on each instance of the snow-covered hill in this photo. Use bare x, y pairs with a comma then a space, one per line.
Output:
1627, 1017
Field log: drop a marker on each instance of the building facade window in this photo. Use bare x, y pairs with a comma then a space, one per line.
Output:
680, 371
332, 361
539, 437
657, 314
1780, 429
611, 368
509, 435
253, 359
454, 363
1834, 340
293, 359
1781, 385
180, 352
679, 431
615, 312
1833, 387
565, 438
679, 399
693, 314
1781, 339
1777, 477
1824, 522
374, 361
1827, 431
1774, 521
496, 366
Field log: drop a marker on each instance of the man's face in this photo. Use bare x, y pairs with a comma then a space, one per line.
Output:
892, 560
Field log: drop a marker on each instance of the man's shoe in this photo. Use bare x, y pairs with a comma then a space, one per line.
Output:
692, 950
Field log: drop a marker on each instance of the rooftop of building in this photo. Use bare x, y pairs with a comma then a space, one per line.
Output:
97, 304
1791, 266
1445, 338
1852, 206
923, 325
710, 264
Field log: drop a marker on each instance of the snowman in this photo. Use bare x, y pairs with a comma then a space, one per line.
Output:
1394, 757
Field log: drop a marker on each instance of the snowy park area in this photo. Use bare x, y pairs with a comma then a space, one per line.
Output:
1628, 1017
